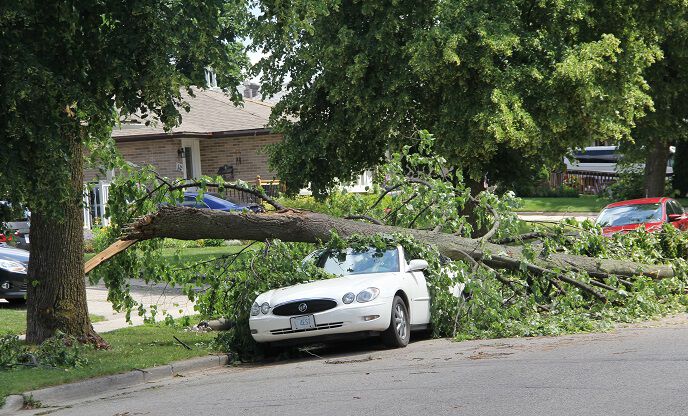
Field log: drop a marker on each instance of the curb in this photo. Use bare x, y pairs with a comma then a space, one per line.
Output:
95, 386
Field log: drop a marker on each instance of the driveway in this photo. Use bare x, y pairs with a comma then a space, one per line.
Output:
639, 370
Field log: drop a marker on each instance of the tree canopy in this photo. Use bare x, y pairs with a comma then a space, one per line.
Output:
71, 70
488, 78
87, 64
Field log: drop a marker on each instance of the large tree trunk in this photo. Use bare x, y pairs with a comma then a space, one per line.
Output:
680, 178
57, 287
655, 168
300, 226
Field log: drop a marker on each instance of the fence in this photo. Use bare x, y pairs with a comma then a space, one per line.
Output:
585, 182
272, 188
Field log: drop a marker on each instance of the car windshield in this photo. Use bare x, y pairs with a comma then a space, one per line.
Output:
630, 214
351, 261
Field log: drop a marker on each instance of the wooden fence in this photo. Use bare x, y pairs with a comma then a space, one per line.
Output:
590, 183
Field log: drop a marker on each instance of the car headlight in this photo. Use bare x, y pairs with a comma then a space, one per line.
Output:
348, 298
255, 309
265, 308
366, 295
12, 266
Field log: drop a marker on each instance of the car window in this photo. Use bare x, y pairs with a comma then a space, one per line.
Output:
351, 261
673, 207
190, 201
630, 214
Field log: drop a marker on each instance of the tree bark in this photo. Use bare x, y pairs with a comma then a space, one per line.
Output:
301, 226
655, 168
680, 178
56, 296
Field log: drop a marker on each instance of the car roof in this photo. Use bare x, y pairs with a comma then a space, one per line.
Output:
213, 201
655, 200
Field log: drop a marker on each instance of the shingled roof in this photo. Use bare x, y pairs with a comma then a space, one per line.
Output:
212, 114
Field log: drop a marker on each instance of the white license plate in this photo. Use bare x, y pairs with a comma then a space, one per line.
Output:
303, 322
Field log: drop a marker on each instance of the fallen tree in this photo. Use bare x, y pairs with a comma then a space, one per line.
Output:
519, 279
184, 223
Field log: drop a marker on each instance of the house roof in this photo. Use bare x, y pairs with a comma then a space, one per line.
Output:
212, 114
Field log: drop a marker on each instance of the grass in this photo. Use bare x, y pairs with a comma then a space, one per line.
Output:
13, 319
584, 203
134, 347
190, 253
198, 253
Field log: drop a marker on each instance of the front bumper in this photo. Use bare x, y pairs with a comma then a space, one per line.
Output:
342, 319
16, 283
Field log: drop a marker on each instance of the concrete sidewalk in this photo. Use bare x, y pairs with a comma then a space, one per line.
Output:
556, 216
169, 300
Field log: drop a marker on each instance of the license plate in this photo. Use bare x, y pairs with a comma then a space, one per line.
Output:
303, 322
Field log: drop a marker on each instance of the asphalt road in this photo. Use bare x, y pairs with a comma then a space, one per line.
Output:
634, 371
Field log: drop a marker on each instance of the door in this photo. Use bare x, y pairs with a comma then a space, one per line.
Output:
419, 297
674, 208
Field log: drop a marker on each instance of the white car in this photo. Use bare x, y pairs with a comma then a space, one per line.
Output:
378, 292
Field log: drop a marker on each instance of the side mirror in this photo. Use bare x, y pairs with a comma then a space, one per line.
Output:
417, 265
675, 217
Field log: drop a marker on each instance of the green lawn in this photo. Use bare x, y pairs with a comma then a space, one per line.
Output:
13, 319
199, 253
584, 203
580, 204
134, 347
190, 254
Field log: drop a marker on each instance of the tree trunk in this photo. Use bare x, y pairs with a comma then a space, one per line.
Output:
301, 226
56, 298
655, 168
680, 178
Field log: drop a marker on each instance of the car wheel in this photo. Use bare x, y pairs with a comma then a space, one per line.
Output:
17, 301
399, 331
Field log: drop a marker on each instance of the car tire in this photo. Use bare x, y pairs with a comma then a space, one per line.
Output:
399, 332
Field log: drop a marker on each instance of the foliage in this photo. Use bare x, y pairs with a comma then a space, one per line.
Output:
492, 79
419, 192
631, 183
71, 71
58, 351
12, 350
61, 351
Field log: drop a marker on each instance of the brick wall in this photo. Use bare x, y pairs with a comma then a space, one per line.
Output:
245, 154
160, 153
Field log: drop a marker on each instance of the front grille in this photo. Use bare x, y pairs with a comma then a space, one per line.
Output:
317, 328
312, 306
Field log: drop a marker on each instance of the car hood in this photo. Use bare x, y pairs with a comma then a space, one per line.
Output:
14, 254
330, 288
649, 226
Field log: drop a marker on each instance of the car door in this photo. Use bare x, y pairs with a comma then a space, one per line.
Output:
416, 288
673, 207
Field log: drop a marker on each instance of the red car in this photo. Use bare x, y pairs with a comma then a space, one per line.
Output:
650, 213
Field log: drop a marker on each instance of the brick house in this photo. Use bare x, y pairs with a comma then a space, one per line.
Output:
214, 134
215, 137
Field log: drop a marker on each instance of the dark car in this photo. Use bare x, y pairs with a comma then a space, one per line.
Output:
209, 201
13, 265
